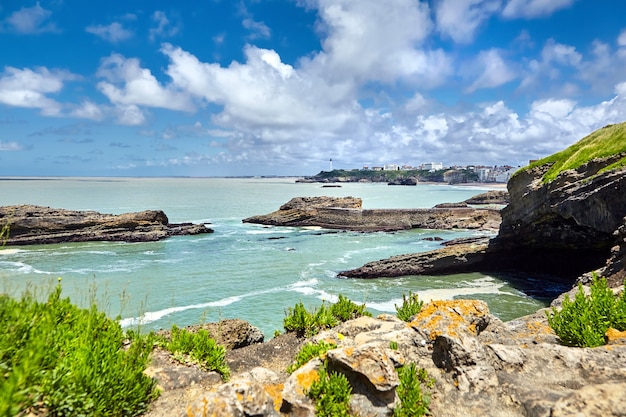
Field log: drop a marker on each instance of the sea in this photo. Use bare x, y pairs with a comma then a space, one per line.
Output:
242, 270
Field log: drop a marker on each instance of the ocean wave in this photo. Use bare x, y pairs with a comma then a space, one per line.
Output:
11, 251
22, 268
153, 316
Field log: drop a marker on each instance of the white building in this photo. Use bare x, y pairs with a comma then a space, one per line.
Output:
433, 166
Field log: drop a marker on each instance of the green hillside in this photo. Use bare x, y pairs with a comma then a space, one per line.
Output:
609, 140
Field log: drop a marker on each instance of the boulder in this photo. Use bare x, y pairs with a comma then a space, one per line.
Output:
29, 225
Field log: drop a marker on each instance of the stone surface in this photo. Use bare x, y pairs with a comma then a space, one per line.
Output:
29, 225
346, 214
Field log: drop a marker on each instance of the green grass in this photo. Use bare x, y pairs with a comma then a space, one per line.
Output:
610, 140
58, 359
584, 321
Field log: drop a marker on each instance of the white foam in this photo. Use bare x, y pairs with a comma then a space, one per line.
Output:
22, 268
10, 251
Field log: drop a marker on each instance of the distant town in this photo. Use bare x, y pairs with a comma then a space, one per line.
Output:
410, 175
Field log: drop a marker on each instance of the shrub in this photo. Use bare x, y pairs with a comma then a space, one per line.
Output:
584, 321
58, 359
198, 348
411, 305
345, 309
310, 351
305, 323
331, 394
413, 402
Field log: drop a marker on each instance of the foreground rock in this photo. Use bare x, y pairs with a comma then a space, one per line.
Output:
347, 214
31, 225
480, 366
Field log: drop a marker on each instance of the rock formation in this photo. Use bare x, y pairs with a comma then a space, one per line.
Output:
346, 214
565, 227
480, 365
30, 225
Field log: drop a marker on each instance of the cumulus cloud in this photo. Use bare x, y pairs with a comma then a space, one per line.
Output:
460, 19
533, 8
113, 33
258, 29
30, 88
128, 85
621, 39
370, 40
30, 20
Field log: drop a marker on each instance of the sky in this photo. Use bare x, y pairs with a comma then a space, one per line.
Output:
281, 87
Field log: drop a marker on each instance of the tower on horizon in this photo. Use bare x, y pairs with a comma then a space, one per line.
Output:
330, 164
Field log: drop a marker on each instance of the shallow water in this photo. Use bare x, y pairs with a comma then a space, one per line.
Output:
241, 270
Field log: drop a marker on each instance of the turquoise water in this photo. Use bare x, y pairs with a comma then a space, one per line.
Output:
241, 270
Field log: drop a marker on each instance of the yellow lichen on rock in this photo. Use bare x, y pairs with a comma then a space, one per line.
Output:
448, 316
306, 379
275, 391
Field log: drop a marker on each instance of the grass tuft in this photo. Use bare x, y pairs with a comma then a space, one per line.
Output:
411, 305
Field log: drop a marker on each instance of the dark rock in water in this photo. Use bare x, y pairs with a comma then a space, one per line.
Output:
433, 239
29, 225
403, 181
331, 186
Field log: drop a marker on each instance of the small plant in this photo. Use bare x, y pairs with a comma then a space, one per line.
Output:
411, 305
199, 348
345, 309
310, 351
584, 321
305, 323
393, 345
331, 394
413, 402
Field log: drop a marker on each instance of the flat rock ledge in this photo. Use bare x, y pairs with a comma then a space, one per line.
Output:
346, 213
35, 225
481, 366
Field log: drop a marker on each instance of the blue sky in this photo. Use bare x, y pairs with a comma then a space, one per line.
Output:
278, 87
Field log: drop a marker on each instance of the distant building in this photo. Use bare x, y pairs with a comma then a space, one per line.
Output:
378, 168
505, 176
391, 167
432, 166
483, 174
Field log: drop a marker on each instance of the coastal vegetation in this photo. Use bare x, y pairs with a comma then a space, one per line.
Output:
413, 402
602, 143
411, 305
391, 176
309, 351
308, 323
585, 320
59, 359
197, 347
331, 393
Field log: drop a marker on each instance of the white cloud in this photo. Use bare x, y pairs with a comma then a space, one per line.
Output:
621, 39
556, 58
492, 71
164, 27
30, 20
88, 110
130, 115
533, 8
113, 33
29, 88
459, 19
10, 146
370, 40
137, 86
258, 29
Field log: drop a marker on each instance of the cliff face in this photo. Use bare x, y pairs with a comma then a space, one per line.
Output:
567, 225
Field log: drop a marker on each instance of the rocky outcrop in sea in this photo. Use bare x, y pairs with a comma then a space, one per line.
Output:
346, 213
34, 225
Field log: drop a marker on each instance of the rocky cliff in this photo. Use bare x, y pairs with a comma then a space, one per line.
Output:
30, 225
565, 223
